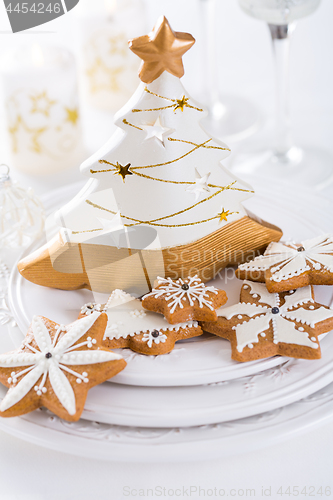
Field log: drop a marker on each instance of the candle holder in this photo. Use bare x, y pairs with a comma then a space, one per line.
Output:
109, 71
42, 110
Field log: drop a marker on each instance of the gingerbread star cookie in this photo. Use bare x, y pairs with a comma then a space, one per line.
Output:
130, 325
286, 266
264, 324
184, 300
55, 367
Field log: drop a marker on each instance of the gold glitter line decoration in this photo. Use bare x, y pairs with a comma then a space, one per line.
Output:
203, 145
115, 168
88, 231
131, 124
178, 103
197, 146
154, 221
164, 217
221, 188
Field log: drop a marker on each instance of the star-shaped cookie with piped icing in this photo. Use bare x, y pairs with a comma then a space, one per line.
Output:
145, 332
184, 300
286, 266
264, 324
55, 367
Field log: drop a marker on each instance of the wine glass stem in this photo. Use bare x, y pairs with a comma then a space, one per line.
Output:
281, 45
210, 66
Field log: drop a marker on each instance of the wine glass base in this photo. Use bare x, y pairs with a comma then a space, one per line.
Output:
306, 167
231, 119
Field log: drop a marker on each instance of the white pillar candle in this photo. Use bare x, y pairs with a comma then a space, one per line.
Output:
41, 99
109, 70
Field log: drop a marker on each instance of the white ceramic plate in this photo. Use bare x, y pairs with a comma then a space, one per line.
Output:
205, 404
133, 444
97, 440
198, 361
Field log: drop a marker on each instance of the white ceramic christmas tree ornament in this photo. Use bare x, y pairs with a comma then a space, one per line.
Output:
181, 210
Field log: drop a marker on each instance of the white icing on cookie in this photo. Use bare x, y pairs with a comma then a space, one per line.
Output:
175, 292
51, 360
283, 319
128, 318
90, 308
288, 260
155, 337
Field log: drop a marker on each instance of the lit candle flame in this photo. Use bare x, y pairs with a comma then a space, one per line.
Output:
111, 6
37, 55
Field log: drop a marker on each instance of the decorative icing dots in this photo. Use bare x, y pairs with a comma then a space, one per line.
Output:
50, 362
286, 260
137, 314
283, 319
90, 308
175, 292
154, 336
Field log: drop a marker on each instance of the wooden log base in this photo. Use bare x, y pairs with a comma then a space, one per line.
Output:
101, 268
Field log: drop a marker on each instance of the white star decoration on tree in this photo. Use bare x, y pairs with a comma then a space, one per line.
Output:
200, 184
50, 361
157, 131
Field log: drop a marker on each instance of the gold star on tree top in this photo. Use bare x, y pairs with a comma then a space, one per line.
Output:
161, 50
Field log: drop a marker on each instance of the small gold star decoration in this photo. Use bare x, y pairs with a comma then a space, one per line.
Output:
181, 103
224, 215
123, 170
72, 115
161, 50
41, 103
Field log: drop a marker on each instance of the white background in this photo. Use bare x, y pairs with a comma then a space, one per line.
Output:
28, 472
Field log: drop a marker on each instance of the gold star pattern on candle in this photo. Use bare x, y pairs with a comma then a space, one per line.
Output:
104, 78
224, 215
41, 103
123, 170
35, 134
118, 45
72, 115
161, 50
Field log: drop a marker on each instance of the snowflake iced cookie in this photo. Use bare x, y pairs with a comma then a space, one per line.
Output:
130, 325
286, 266
264, 324
184, 300
55, 367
